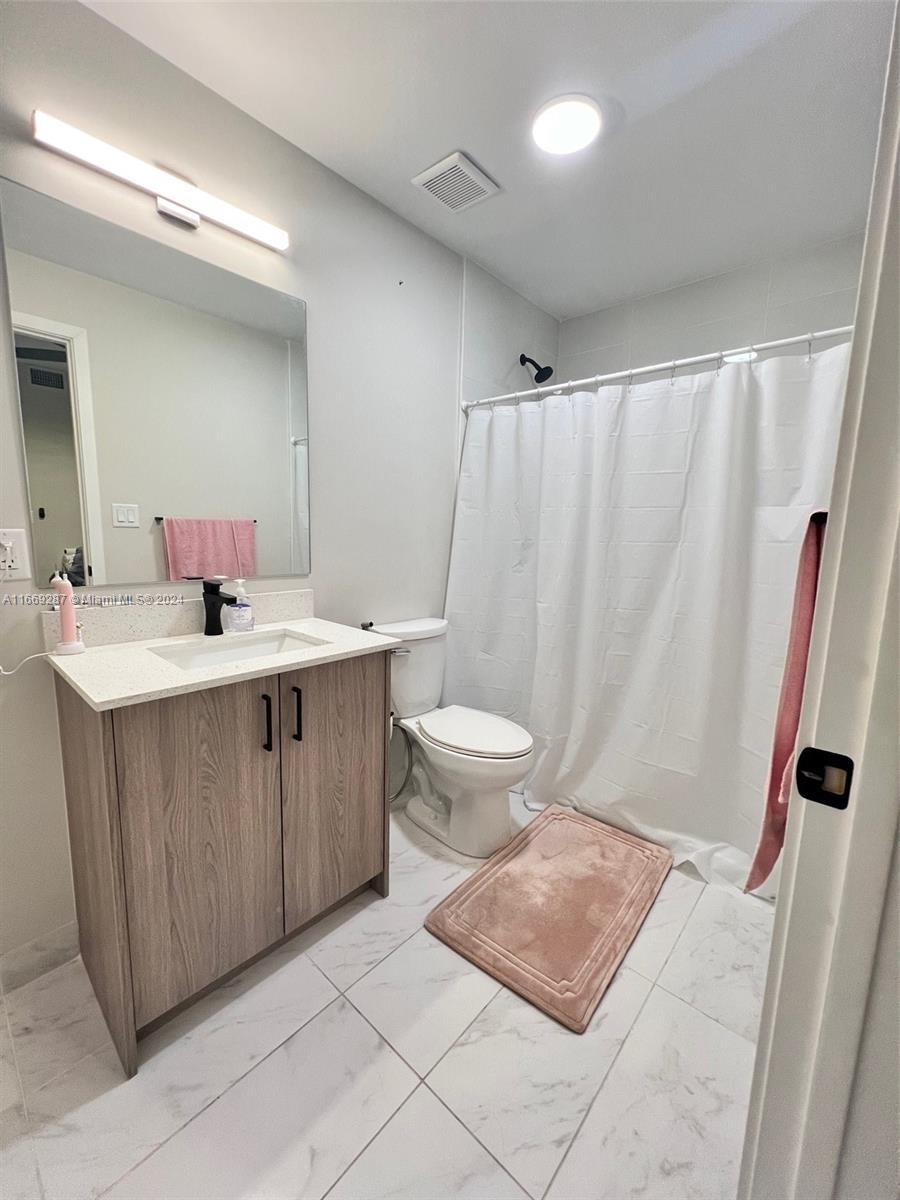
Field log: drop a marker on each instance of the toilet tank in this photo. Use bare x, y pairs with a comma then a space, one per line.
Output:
417, 667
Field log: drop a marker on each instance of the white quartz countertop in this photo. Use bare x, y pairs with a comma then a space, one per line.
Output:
130, 673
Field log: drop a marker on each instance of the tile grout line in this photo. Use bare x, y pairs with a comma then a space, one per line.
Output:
684, 926
218, 1097
501, 988
341, 995
587, 1111
703, 1013
653, 984
377, 1133
458, 1119
669, 992
368, 971
422, 1081
15, 1061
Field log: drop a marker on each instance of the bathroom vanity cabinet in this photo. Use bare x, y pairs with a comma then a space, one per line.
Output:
207, 826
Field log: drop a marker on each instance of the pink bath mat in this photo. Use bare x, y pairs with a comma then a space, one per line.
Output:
552, 914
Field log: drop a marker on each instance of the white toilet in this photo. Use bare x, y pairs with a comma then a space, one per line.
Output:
464, 761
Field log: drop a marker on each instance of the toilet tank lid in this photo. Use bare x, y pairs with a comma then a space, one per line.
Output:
414, 630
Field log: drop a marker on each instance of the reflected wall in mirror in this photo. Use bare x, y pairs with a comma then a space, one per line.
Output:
163, 405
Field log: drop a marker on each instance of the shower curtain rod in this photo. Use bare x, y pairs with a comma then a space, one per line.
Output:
718, 356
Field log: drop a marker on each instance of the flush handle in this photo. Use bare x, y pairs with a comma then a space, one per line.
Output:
297, 735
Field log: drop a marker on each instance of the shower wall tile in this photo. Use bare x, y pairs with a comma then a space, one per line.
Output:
608, 327
601, 361
780, 296
686, 341
817, 312
832, 267
498, 326
736, 293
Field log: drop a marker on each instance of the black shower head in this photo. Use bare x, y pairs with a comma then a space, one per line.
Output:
541, 374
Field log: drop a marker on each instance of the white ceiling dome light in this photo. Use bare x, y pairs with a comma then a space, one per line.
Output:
567, 124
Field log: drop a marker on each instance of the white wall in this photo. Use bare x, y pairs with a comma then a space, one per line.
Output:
384, 331
498, 326
770, 299
190, 413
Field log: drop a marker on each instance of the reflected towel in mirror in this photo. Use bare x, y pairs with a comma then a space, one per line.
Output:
202, 547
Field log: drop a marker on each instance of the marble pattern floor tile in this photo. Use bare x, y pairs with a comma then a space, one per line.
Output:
274, 1085
10, 1088
358, 936
719, 962
35, 958
521, 1083
55, 1022
422, 997
664, 922
20, 1178
423, 1151
91, 1125
668, 1122
290, 1127
406, 835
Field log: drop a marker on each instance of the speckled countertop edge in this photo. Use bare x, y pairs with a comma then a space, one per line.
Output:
125, 673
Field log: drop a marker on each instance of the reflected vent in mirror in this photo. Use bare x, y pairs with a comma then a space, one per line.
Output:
42, 378
456, 182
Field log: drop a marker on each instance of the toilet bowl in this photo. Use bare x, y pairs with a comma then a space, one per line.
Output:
464, 761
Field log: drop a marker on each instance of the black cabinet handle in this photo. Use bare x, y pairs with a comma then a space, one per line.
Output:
267, 701
297, 735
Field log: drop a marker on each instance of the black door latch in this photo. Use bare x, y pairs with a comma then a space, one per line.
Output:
824, 776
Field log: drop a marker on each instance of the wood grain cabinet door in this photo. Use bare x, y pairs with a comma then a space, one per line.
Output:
199, 797
333, 801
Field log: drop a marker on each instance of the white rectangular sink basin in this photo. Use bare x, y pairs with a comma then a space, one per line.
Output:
234, 647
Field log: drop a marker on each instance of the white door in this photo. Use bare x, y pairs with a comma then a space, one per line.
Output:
837, 862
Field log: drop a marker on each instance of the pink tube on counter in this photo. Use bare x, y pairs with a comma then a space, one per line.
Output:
68, 628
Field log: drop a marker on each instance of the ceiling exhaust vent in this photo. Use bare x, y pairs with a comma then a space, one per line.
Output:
456, 182
42, 378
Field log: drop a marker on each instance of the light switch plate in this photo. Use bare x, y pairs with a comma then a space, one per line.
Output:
126, 516
15, 561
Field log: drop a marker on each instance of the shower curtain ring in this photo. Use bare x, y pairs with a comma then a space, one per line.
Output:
809, 342
629, 381
672, 376
720, 362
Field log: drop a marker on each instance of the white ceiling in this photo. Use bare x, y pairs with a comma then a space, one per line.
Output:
748, 128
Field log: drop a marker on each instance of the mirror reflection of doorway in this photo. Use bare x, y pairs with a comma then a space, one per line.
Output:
51, 457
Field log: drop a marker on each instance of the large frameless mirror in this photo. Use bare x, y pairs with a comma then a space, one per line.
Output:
163, 404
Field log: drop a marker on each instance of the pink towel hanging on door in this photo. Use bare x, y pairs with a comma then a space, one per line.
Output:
203, 547
781, 769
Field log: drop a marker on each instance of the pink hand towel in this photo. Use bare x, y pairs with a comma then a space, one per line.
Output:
204, 547
781, 770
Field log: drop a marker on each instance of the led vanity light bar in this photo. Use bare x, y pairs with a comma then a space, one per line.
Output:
74, 143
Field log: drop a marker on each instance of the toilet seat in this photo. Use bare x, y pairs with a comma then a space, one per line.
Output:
479, 734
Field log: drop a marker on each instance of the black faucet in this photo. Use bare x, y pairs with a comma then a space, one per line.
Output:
213, 600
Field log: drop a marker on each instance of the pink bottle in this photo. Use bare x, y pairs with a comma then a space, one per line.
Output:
69, 642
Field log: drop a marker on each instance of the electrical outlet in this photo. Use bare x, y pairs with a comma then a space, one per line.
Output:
15, 562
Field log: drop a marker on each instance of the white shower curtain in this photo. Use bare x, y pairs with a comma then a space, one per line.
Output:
621, 582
